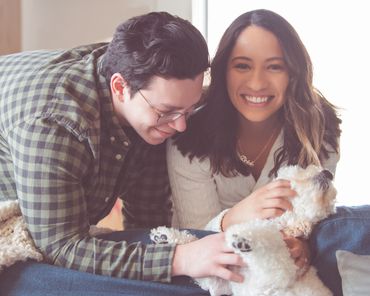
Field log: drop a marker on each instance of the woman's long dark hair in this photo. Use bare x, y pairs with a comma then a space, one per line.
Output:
310, 122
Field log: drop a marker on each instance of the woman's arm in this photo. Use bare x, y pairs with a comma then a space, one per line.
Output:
194, 193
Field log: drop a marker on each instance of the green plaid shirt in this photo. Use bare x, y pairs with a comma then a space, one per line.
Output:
64, 155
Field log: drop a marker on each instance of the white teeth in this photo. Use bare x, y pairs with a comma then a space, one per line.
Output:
256, 100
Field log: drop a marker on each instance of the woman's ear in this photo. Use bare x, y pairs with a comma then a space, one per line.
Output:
117, 86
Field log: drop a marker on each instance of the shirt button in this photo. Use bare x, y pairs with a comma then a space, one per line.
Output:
126, 143
112, 139
118, 156
107, 199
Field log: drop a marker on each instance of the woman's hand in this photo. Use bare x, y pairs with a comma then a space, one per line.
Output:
299, 251
269, 201
208, 256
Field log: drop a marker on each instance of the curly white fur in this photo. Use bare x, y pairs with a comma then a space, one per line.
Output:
270, 270
314, 202
165, 235
15, 242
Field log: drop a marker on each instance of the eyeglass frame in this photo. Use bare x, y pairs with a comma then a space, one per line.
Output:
175, 114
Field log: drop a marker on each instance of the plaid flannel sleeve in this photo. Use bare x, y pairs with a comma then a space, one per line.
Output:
49, 167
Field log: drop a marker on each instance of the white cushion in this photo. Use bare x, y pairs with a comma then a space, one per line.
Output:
355, 273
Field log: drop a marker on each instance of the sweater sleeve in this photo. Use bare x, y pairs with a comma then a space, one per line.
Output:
194, 191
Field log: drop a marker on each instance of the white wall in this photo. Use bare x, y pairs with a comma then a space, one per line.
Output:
52, 24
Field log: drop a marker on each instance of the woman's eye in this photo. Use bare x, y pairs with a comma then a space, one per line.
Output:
242, 66
276, 67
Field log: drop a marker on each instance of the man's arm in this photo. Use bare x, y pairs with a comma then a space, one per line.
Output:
49, 169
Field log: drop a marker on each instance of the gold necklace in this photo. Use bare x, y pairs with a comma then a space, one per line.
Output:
244, 159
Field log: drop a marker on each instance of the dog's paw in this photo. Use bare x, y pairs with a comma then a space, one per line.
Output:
240, 243
165, 235
160, 235
160, 239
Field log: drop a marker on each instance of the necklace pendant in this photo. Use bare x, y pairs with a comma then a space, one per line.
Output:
246, 161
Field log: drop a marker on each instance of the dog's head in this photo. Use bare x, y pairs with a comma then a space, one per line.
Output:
316, 194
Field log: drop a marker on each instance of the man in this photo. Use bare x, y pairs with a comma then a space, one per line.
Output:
82, 127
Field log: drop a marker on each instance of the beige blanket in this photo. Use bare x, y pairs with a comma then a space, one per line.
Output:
15, 241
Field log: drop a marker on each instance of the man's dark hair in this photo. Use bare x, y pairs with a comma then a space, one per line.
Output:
155, 44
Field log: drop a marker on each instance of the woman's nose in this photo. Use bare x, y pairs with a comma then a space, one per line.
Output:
256, 80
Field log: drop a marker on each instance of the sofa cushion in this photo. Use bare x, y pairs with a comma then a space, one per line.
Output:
348, 229
354, 271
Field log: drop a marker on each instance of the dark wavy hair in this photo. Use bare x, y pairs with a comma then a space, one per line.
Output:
310, 122
155, 44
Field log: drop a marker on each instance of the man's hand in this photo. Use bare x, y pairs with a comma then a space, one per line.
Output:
205, 257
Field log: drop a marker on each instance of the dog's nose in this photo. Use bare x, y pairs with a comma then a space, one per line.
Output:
323, 179
327, 174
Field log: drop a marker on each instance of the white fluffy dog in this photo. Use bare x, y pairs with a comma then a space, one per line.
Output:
270, 269
15, 242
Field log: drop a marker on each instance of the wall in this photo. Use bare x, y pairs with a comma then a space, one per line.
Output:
51, 24
10, 25
337, 43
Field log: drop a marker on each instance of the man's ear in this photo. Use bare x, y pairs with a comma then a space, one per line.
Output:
117, 86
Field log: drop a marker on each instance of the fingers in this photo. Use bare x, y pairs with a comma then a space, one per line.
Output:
231, 259
276, 199
219, 259
301, 262
279, 188
269, 213
298, 251
294, 246
228, 275
274, 207
278, 203
278, 184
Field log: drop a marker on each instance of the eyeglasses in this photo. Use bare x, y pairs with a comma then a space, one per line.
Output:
171, 116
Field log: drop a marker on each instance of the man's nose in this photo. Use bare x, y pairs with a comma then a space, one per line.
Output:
179, 124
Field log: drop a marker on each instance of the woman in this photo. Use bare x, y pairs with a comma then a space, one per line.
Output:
262, 112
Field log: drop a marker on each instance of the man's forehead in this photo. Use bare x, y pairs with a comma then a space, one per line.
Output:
173, 93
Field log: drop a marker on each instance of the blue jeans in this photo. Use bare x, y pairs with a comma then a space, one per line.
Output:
39, 279
348, 229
